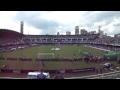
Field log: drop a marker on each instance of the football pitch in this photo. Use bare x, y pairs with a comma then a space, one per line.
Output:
63, 51
59, 52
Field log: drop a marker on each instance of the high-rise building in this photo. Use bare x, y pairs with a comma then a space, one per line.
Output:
105, 34
21, 27
99, 29
68, 33
93, 32
58, 33
76, 30
117, 35
101, 33
83, 31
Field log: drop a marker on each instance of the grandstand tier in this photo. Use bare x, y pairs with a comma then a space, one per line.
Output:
12, 40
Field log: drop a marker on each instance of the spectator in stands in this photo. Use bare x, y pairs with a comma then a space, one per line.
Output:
41, 75
58, 76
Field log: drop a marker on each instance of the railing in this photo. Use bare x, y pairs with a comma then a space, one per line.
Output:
111, 75
11, 78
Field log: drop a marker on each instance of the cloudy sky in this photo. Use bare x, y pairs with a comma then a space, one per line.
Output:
51, 22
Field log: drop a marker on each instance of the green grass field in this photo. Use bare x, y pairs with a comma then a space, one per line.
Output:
65, 51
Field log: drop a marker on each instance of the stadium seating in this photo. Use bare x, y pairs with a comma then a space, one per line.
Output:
12, 40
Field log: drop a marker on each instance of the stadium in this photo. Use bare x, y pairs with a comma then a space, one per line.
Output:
74, 55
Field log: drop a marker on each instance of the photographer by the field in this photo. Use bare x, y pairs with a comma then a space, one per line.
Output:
58, 76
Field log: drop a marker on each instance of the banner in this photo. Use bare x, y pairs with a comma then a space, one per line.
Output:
16, 71
62, 71
83, 70
50, 71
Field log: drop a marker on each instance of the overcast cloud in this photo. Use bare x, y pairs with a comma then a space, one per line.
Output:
50, 22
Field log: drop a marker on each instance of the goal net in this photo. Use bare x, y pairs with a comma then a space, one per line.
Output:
45, 55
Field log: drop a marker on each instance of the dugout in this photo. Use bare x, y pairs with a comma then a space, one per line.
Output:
110, 57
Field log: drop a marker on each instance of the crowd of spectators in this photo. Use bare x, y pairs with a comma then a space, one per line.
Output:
105, 47
107, 40
11, 40
88, 57
60, 38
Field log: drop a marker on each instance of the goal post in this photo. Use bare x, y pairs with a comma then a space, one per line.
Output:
45, 55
